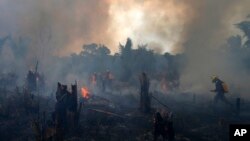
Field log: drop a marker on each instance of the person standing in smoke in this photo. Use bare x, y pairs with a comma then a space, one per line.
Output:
93, 81
219, 90
144, 93
108, 79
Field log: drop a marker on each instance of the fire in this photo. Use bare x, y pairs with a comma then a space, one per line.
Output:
85, 92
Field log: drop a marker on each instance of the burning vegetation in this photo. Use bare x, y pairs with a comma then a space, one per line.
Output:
85, 93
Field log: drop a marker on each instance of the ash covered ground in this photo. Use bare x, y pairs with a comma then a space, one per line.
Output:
116, 116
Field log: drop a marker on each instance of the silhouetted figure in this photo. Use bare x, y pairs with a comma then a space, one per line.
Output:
108, 79
219, 90
144, 93
93, 79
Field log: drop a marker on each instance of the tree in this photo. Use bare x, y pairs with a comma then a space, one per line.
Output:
126, 59
244, 26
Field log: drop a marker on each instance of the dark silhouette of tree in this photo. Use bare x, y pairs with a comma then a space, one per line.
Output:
127, 64
244, 26
126, 60
144, 59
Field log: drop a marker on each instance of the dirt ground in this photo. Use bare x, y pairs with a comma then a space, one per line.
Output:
115, 117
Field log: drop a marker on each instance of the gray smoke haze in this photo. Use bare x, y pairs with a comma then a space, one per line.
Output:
199, 28
206, 49
55, 26
61, 27
51, 28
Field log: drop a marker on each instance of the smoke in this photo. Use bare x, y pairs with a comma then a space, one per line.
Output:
199, 28
73, 23
61, 27
158, 23
55, 26
205, 49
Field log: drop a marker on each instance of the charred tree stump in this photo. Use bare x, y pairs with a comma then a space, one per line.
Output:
145, 105
66, 112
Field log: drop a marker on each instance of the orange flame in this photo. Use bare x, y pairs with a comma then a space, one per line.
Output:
85, 92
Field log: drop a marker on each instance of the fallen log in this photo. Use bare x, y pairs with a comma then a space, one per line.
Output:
106, 112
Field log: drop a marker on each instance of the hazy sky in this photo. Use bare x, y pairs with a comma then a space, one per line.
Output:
63, 26
197, 27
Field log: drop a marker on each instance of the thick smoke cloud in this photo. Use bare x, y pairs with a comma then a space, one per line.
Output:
70, 24
158, 23
205, 45
199, 28
164, 25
